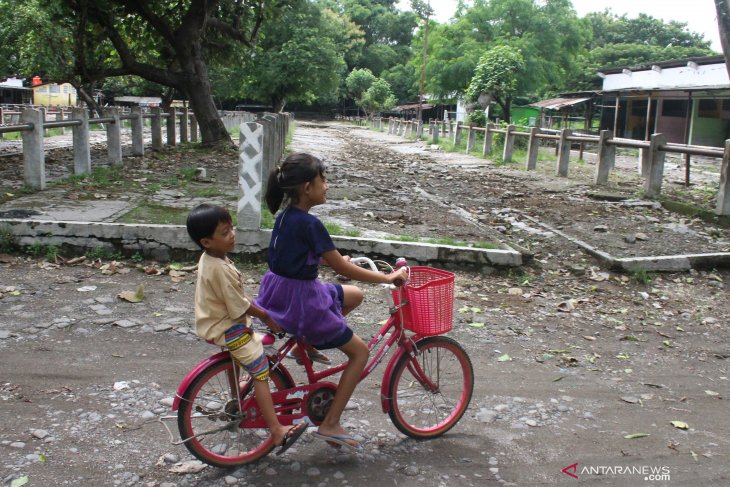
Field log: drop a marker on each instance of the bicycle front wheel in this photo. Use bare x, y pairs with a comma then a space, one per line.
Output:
427, 404
209, 417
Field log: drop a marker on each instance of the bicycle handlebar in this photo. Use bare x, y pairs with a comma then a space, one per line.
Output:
370, 263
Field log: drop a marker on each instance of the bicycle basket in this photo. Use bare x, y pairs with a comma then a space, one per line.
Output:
430, 295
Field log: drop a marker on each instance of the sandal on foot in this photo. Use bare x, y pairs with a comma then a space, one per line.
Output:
339, 440
319, 357
291, 436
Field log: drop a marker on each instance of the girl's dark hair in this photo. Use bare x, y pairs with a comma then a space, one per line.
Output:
203, 220
284, 180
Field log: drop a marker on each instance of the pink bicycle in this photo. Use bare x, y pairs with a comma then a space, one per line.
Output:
426, 387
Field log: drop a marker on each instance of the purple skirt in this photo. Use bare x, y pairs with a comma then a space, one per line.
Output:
308, 309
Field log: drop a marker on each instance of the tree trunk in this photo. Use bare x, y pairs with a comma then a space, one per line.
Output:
723, 23
277, 104
195, 83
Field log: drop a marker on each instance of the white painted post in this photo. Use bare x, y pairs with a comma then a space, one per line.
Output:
435, 134
564, 153
250, 166
113, 135
137, 132
59, 118
723, 195
606, 157
82, 151
34, 162
655, 175
419, 130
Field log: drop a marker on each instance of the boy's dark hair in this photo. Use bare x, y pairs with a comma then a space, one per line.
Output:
203, 220
284, 180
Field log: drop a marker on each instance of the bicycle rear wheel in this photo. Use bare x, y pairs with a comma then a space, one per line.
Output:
209, 416
430, 405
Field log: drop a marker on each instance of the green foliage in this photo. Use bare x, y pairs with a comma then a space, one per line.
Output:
477, 118
358, 81
496, 75
7, 240
301, 58
378, 97
642, 276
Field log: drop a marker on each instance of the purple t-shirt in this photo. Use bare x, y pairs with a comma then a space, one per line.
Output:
297, 243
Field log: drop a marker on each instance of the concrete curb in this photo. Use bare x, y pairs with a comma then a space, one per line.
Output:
166, 242
660, 263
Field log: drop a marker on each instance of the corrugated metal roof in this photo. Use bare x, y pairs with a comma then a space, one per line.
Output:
558, 103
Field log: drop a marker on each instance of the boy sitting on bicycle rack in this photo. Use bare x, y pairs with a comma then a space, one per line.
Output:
223, 311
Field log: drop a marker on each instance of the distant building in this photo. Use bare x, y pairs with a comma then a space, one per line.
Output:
687, 100
52, 94
12, 92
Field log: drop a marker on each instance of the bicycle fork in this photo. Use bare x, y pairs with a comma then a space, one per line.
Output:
413, 366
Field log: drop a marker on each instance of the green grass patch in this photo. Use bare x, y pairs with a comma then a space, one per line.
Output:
211, 192
694, 211
156, 214
445, 241
335, 229
642, 276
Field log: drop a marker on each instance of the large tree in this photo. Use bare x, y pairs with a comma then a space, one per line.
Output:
496, 76
548, 33
299, 58
169, 42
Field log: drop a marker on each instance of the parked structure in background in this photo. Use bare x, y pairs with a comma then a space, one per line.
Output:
12, 92
569, 110
53, 94
686, 100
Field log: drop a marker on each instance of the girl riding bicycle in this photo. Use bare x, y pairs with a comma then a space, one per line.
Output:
293, 295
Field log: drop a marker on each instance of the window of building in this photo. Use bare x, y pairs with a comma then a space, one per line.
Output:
43, 89
708, 108
54, 89
674, 108
65, 88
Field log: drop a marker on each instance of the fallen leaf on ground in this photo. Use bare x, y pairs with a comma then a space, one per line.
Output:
504, 358
133, 296
680, 425
477, 325
712, 393
86, 289
19, 482
636, 435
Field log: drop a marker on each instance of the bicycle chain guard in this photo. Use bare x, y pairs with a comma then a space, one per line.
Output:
319, 402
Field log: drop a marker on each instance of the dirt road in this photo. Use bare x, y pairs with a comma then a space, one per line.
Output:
577, 368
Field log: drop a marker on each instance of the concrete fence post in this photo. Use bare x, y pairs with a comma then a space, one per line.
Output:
44, 111
156, 128
34, 162
471, 139
435, 133
137, 132
82, 151
606, 157
488, 139
250, 172
184, 125
59, 118
563, 153
723, 195
2, 121
451, 128
419, 130
193, 128
509, 144
113, 135
457, 133
444, 130
172, 127
533, 147
655, 174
